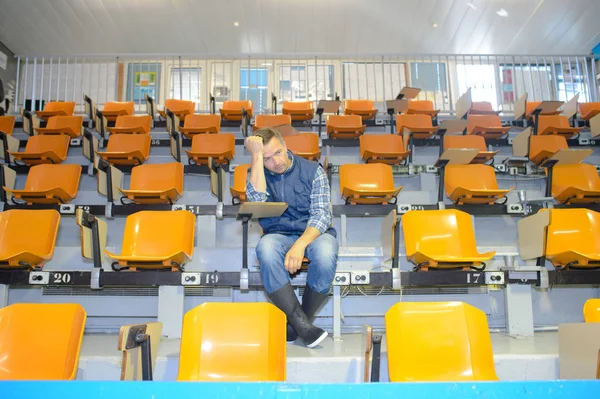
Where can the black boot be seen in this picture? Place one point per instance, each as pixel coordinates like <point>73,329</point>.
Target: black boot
<point>311,303</point>
<point>285,299</point>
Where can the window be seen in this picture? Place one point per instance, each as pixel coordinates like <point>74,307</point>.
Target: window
<point>254,86</point>
<point>298,81</point>
<point>373,81</point>
<point>292,83</point>
<point>482,81</point>
<point>185,84</point>
<point>430,77</point>
<point>221,82</point>
<point>143,78</point>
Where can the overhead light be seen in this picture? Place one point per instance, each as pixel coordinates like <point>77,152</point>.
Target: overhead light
<point>472,6</point>
<point>236,24</point>
<point>434,25</point>
<point>502,12</point>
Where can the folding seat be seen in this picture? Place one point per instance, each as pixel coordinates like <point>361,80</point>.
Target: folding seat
<point>69,125</point>
<point>220,147</point>
<point>441,239</point>
<point>7,124</point>
<point>420,126</point>
<point>44,149</point>
<point>299,110</point>
<point>575,184</point>
<point>383,148</point>
<point>238,190</point>
<point>438,341</point>
<point>132,124</point>
<point>266,120</point>
<point>181,108</point>
<point>127,149</point>
<point>57,108</point>
<point>113,109</point>
<point>488,126</point>
<point>472,184</point>
<point>200,124</point>
<point>241,342</point>
<point>27,239</point>
<point>470,141</point>
<point>155,183</point>
<point>591,310</point>
<point>40,341</point>
<point>344,126</point>
<point>541,148</point>
<point>556,125</point>
<point>422,107</point>
<point>156,240</point>
<point>573,238</point>
<point>232,110</point>
<point>367,184</point>
<point>305,145</point>
<point>364,108</point>
<point>49,184</point>
<point>482,108</point>
<point>531,105</point>
<point>588,110</point>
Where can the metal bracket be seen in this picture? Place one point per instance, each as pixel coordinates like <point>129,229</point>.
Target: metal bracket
<point>396,281</point>
<point>244,279</point>
<point>96,278</point>
<point>219,212</point>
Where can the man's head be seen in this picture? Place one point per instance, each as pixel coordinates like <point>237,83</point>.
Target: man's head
<point>275,151</point>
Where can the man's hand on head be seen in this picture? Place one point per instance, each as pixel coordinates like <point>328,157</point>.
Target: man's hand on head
<point>254,144</point>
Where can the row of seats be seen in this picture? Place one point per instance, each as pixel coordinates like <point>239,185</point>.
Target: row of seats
<point>165,239</point>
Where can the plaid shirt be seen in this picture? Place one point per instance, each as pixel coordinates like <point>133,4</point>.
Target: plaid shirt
<point>320,199</point>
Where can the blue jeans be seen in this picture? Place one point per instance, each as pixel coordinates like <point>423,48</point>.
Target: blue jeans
<point>322,254</point>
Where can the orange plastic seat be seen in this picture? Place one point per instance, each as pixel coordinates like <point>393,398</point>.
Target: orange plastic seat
<point>155,183</point>
<point>472,184</point>
<point>57,108</point>
<point>24,355</point>
<point>367,183</point>
<point>488,126</point>
<point>541,148</point>
<point>238,190</point>
<point>200,124</point>
<point>383,148</point>
<point>420,126</point>
<point>49,184</point>
<point>127,149</point>
<point>576,184</point>
<point>216,333</point>
<point>132,124</point>
<point>44,149</point>
<point>69,125</point>
<point>470,141</point>
<point>156,240</point>
<point>113,109</point>
<point>365,108</point>
<point>531,105</point>
<point>588,110</point>
<point>441,239</point>
<point>556,125</point>
<point>181,108</point>
<point>266,120</point>
<point>27,239</point>
<point>573,238</point>
<point>422,107</point>
<point>344,126</point>
<point>220,147</point>
<point>482,108</point>
<point>7,124</point>
<point>591,310</point>
<point>438,341</point>
<point>298,110</point>
<point>232,110</point>
<point>305,145</point>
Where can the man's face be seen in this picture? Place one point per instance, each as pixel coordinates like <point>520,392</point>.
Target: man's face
<point>275,156</point>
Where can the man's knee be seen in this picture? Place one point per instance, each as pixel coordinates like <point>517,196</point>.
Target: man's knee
<point>324,250</point>
<point>269,250</point>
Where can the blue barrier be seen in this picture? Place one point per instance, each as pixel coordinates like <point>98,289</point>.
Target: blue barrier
<point>185,390</point>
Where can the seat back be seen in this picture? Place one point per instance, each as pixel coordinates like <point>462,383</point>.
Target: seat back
<point>160,234</point>
<point>29,236</point>
<point>233,342</point>
<point>128,143</point>
<point>59,122</point>
<point>589,108</point>
<point>530,106</point>
<point>368,177</point>
<point>438,341</point>
<point>591,310</point>
<point>412,121</point>
<point>297,106</point>
<point>157,177</point>
<point>67,106</point>
<point>40,341</point>
<point>48,176</point>
<point>582,176</point>
<point>265,120</point>
<point>359,105</point>
<point>213,143</point>
<point>179,106</point>
<point>468,141</point>
<point>382,144</point>
<point>548,144</point>
<point>134,121</point>
<point>126,106</point>
<point>303,144</point>
<point>481,106</point>
<point>7,124</point>
<point>240,174</point>
<point>486,121</point>
<point>420,105</point>
<point>573,230</point>
<point>439,233</point>
<point>349,121</point>
<point>231,105</point>
<point>546,121</point>
<point>59,144</point>
<point>472,177</point>
<point>202,121</point>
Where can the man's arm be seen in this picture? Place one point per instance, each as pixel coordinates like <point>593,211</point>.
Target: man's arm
<point>256,185</point>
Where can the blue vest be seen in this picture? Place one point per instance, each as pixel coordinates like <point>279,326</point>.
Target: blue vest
<point>294,187</point>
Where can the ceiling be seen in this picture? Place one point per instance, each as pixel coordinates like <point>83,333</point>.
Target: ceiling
<point>348,27</point>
